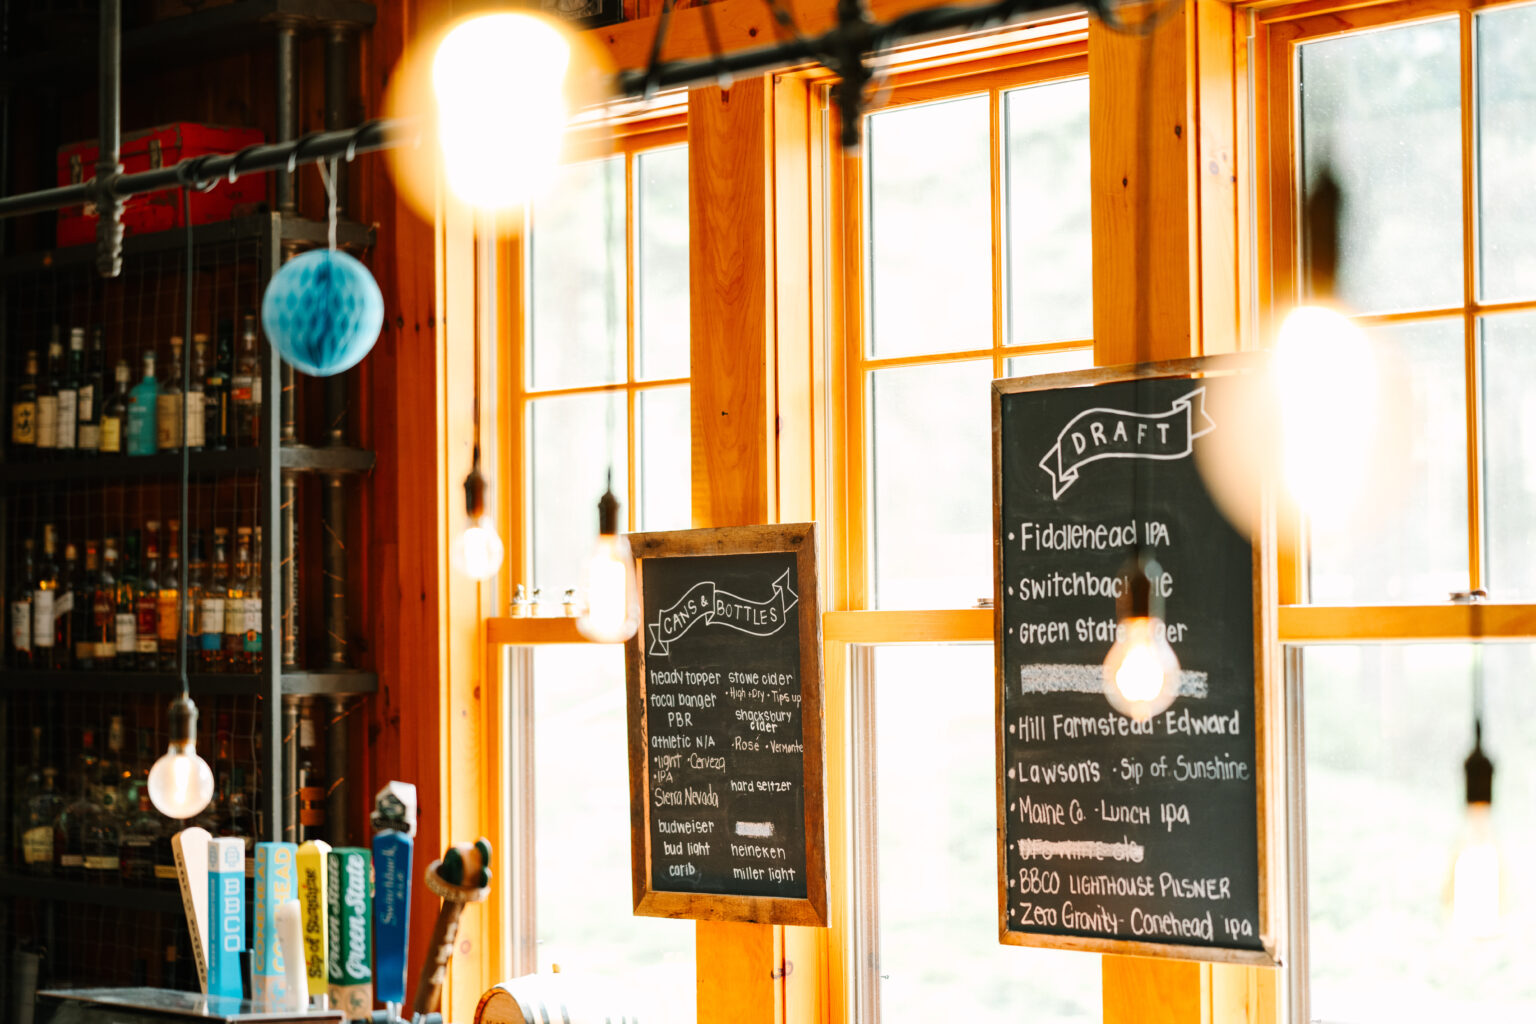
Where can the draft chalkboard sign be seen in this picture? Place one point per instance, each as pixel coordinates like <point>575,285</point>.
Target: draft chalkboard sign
<point>1117,836</point>
<point>726,756</point>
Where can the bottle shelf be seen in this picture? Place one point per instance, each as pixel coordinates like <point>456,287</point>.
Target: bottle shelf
<point>277,227</point>
<point>190,37</point>
<point>88,470</point>
<point>340,683</point>
<point>127,896</point>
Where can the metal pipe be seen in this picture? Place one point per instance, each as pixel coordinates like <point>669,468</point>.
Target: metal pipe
<point>336,54</point>
<point>109,91</point>
<point>335,570</point>
<point>290,832</point>
<point>336,773</point>
<point>202,170</point>
<point>287,108</point>
<point>289,574</point>
<point>933,21</point>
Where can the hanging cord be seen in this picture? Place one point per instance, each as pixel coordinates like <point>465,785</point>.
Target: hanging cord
<point>1146,30</point>
<point>183,606</point>
<point>328,178</point>
<point>610,309</point>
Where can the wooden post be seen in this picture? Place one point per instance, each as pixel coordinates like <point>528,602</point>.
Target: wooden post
<point>731,351</point>
<point>1188,147</point>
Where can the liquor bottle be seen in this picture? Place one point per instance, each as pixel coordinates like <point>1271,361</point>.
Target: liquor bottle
<point>37,837</point>
<point>253,627</point>
<point>103,606</point>
<point>29,782</point>
<point>113,774</point>
<point>142,831</point>
<point>143,403</point>
<point>83,626</point>
<point>235,604</point>
<point>21,609</point>
<point>223,778</point>
<point>125,606</point>
<point>168,604</point>
<point>245,386</point>
<point>216,389</point>
<point>238,820</point>
<point>70,826</point>
<point>37,810</point>
<point>195,398</point>
<point>215,593</point>
<point>197,574</point>
<point>147,604</point>
<point>169,407</point>
<point>310,781</point>
<point>114,413</point>
<point>64,609</point>
<point>45,588</point>
<point>92,394</point>
<point>48,400</point>
<point>24,411</point>
<point>100,824</point>
<point>69,395</point>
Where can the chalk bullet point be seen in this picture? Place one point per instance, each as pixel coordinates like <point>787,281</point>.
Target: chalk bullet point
<point>1012,804</point>
<point>1010,773</point>
<point>1010,729</point>
<point>1010,536</point>
<point>1010,883</point>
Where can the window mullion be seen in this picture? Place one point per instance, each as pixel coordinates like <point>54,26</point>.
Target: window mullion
<point>1000,311</point>
<point>1472,356</point>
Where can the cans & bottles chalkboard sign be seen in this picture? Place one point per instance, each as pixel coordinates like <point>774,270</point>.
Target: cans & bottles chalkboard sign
<point>1156,837</point>
<point>726,757</point>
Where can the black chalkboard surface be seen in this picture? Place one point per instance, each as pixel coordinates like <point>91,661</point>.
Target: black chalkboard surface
<point>725,714</point>
<point>1117,835</point>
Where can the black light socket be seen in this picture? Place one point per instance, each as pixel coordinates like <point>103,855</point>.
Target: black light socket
<point>474,490</point>
<point>608,514</point>
<point>1479,770</point>
<point>1139,600</point>
<point>183,720</point>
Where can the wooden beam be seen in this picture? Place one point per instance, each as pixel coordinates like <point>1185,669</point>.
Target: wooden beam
<point>1164,158</point>
<point>730,278</point>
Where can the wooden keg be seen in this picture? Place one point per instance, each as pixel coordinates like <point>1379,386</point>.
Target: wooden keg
<point>553,999</point>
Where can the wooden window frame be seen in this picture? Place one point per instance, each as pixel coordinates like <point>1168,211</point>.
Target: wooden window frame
<point>630,140</point>
<point>1279,32</point>
<point>1054,58</point>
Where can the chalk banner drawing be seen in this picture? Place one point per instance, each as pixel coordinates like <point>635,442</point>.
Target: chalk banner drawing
<point>708,604</point>
<point>1095,434</point>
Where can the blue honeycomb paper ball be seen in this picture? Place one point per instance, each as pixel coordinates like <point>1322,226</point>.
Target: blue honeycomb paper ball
<point>323,312</point>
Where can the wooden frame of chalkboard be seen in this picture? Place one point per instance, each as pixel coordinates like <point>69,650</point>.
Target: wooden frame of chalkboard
<point>795,546</point>
<point>1266,723</point>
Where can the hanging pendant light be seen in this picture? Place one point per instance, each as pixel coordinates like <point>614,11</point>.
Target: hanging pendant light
<point>180,782</point>
<point>1141,672</point>
<point>608,576</point>
<point>1476,886</point>
<point>478,551</point>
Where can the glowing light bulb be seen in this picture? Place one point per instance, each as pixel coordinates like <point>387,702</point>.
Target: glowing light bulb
<point>1326,386</point>
<point>499,82</point>
<point>478,551</point>
<point>1141,672</point>
<point>613,598</point>
<point>1477,878</point>
<point>180,782</point>
<point>1476,885</point>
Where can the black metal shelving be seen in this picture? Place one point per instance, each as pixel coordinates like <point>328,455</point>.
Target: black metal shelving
<point>190,37</point>
<point>340,683</point>
<point>14,885</point>
<point>272,467</point>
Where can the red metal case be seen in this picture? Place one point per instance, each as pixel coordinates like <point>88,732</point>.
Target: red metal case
<point>160,211</point>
